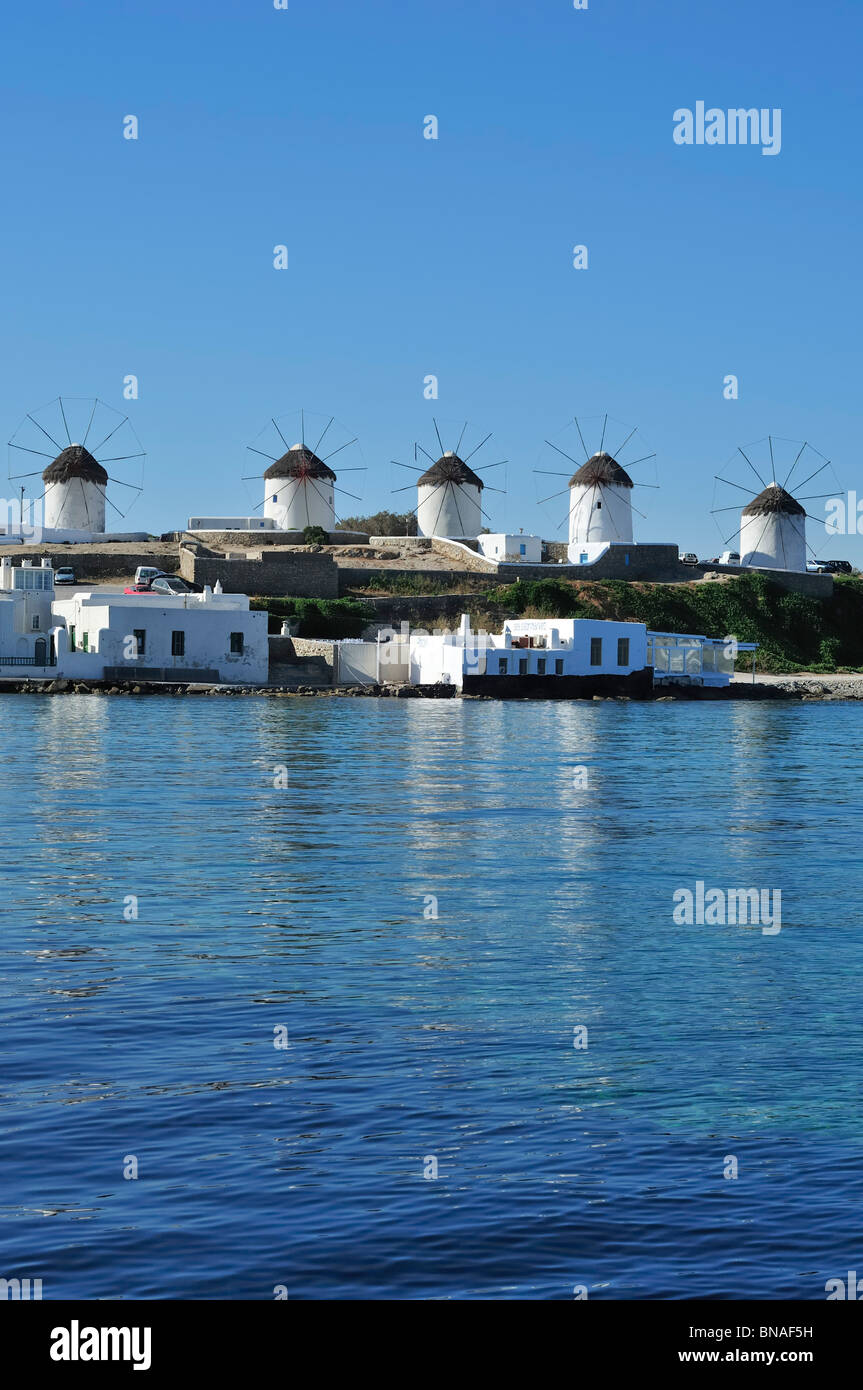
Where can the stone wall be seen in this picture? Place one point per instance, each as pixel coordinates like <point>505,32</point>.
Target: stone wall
<point>637,685</point>
<point>312,646</point>
<point>466,553</point>
<point>658,564</point>
<point>815,585</point>
<point>255,540</point>
<point>104,563</point>
<point>262,573</point>
<point>419,545</point>
<point>356,578</point>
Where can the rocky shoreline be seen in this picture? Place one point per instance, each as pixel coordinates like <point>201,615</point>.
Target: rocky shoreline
<point>801,688</point>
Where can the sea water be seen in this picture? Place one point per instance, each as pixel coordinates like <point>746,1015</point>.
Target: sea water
<point>385,998</point>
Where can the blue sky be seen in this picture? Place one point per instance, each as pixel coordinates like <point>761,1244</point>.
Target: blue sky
<point>452,257</point>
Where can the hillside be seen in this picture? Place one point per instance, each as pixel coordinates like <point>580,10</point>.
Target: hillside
<point>794,632</point>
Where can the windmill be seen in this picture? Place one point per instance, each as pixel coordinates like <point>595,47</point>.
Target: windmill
<point>772,528</point>
<point>600,490</point>
<point>299,484</point>
<point>76,478</point>
<point>449,491</point>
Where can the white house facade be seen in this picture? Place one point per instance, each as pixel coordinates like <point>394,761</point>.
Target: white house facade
<point>100,635</point>
<point>26,619</point>
<point>511,549</point>
<point>543,647</point>
<point>530,646</point>
<point>159,637</point>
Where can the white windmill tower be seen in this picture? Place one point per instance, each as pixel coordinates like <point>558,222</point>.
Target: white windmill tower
<point>75,486</point>
<point>299,484</point>
<point>298,491</point>
<point>76,479</point>
<point>772,530</point>
<point>600,495</point>
<point>449,491</point>
<point>600,502</point>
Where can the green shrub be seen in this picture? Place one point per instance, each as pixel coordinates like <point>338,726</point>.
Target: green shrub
<point>315,535</point>
<point>319,617</point>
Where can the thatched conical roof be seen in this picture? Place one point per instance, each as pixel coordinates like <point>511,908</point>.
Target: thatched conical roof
<point>774,499</point>
<point>75,462</point>
<point>450,469</point>
<point>299,462</point>
<point>601,469</point>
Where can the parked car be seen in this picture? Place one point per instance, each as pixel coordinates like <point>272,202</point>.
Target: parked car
<point>160,583</point>
<point>729,557</point>
<point>146,572</point>
<point>814,567</point>
<point>835,566</point>
<point>65,575</point>
<point>173,584</point>
<point>688,558</point>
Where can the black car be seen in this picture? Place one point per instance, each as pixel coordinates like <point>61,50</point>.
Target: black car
<point>835,566</point>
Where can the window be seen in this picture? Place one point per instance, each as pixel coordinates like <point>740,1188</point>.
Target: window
<point>35,622</point>
<point>558,666</point>
<point>85,642</point>
<point>522,666</point>
<point>236,644</point>
<point>501,666</point>
<point>540,665</point>
<point>623,651</point>
<point>72,637</point>
<point>596,651</point>
<point>140,636</point>
<point>522,550</point>
<point>599,506</point>
<point>178,644</point>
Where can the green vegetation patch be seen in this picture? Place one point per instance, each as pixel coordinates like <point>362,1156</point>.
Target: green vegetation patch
<point>319,617</point>
<point>794,631</point>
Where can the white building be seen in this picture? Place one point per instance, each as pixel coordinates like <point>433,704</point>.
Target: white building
<point>542,647</point>
<point>511,549</point>
<point>773,531</point>
<point>231,523</point>
<point>208,636</point>
<point>100,635</point>
<point>26,620</point>
<point>600,508</point>
<point>298,491</point>
<point>449,499</point>
<point>75,486</point>
<point>529,647</point>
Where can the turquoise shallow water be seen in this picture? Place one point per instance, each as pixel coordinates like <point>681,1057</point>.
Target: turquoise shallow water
<point>414,1037</point>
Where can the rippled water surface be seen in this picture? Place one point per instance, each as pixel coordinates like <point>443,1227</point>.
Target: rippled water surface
<point>414,1036</point>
